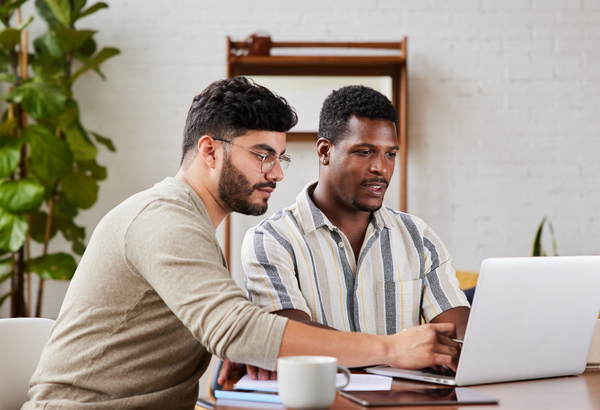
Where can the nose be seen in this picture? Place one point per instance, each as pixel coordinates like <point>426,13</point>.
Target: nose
<point>276,173</point>
<point>379,165</point>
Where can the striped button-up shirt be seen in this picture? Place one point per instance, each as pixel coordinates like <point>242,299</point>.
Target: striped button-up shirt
<point>297,259</point>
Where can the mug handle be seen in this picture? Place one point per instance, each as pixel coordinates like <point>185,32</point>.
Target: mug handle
<point>346,373</point>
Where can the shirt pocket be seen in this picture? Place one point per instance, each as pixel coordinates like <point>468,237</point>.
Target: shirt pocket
<point>398,305</point>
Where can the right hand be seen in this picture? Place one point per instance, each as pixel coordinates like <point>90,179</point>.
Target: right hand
<point>424,346</point>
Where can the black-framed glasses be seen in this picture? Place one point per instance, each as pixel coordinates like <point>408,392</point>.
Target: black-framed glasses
<point>268,160</point>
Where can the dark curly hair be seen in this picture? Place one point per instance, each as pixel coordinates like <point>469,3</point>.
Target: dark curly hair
<point>356,100</point>
<point>229,108</point>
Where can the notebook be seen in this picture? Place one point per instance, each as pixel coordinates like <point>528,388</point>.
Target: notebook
<point>531,318</point>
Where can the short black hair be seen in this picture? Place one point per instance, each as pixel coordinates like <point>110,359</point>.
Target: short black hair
<point>231,107</point>
<point>356,100</point>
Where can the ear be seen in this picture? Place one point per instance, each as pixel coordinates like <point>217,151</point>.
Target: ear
<point>323,150</point>
<point>207,151</point>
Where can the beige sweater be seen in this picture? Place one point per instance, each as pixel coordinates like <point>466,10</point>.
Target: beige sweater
<point>149,303</point>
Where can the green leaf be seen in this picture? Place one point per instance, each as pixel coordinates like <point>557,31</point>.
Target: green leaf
<point>4,277</point>
<point>98,172</point>
<point>6,296</point>
<point>77,6</point>
<point>63,208</point>
<point>7,126</point>
<point>69,229</point>
<point>37,226</point>
<point>81,190</point>
<point>51,157</point>
<point>70,39</point>
<point>78,247</point>
<point>70,115</point>
<point>95,61</point>
<point>49,68</point>
<point>24,24</point>
<point>6,266</point>
<point>10,6</point>
<point>20,196</point>
<point>10,154</point>
<point>57,266</point>
<point>92,9</point>
<point>61,9</point>
<point>4,61</point>
<point>9,38</point>
<point>49,43</point>
<point>82,147</point>
<point>40,100</point>
<point>537,242</point>
<point>87,49</point>
<point>104,141</point>
<point>8,78</point>
<point>13,229</point>
<point>45,12</point>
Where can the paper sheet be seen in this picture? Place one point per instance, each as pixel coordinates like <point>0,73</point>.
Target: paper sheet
<point>364,382</point>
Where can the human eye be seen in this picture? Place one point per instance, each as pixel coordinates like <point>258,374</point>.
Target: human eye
<point>392,154</point>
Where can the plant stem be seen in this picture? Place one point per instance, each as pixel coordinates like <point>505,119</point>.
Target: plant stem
<point>17,307</point>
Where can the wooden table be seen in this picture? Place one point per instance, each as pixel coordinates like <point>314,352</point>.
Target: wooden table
<point>576,392</point>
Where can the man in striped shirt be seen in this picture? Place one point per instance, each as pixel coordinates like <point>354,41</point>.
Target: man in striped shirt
<point>337,257</point>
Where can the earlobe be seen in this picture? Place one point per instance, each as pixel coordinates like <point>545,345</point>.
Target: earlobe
<point>323,148</point>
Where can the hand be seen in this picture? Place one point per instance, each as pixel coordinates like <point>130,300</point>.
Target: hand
<point>254,372</point>
<point>424,346</point>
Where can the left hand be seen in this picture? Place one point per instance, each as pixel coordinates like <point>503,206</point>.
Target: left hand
<point>255,373</point>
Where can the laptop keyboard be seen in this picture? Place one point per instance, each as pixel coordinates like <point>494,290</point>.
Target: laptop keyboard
<point>446,372</point>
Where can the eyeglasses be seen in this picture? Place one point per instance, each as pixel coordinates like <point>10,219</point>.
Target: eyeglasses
<point>268,160</point>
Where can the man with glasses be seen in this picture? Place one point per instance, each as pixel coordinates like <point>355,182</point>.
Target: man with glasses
<point>152,298</point>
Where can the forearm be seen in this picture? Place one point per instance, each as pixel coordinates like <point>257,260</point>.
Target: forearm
<point>414,348</point>
<point>352,349</point>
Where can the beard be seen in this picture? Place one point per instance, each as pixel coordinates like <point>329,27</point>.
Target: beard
<point>362,207</point>
<point>357,205</point>
<point>235,190</point>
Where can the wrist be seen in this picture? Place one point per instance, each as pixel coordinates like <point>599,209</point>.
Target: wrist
<point>382,349</point>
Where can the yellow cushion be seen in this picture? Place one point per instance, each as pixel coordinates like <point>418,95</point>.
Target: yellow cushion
<point>467,279</point>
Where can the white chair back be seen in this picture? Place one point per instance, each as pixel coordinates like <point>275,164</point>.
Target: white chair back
<point>21,344</point>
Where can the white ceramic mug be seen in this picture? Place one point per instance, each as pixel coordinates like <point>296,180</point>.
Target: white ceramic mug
<point>308,382</point>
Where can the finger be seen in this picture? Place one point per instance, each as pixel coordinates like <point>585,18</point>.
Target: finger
<point>252,372</point>
<point>263,374</point>
<point>445,360</point>
<point>448,341</point>
<point>226,369</point>
<point>451,349</point>
<point>447,329</point>
<point>273,375</point>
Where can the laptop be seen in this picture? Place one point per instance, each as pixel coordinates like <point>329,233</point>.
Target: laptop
<point>531,318</point>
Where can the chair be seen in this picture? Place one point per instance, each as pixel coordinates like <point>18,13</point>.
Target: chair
<point>21,344</point>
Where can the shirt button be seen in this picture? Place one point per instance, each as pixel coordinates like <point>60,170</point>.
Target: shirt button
<point>341,244</point>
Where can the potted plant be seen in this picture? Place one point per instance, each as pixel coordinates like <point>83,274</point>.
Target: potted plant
<point>48,168</point>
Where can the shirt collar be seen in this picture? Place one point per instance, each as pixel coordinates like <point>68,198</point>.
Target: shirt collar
<point>311,218</point>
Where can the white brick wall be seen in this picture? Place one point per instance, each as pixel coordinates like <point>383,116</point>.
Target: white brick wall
<point>504,107</point>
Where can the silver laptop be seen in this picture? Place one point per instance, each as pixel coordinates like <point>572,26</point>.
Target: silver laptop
<point>531,318</point>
